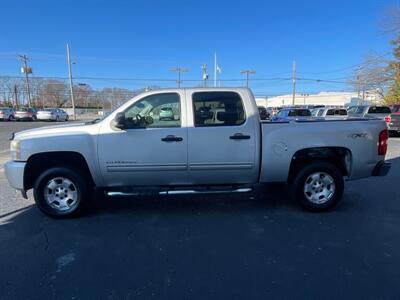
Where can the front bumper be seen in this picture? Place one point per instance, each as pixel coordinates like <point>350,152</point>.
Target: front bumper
<point>381,168</point>
<point>15,174</point>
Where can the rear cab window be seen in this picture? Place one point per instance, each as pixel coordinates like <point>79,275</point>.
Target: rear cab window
<point>218,109</point>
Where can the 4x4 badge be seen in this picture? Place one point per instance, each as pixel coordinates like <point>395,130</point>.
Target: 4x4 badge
<point>358,135</point>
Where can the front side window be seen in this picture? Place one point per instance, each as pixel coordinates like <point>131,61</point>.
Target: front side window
<point>217,109</point>
<point>154,111</point>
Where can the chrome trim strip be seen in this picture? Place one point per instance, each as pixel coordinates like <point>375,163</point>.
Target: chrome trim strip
<point>141,168</point>
<point>223,166</point>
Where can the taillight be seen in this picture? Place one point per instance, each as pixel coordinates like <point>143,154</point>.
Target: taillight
<point>388,119</point>
<point>383,142</point>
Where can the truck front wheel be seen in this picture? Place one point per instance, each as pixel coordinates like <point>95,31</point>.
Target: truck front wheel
<point>61,192</point>
<point>317,186</point>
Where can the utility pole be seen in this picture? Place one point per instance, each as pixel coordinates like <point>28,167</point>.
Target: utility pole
<point>179,70</point>
<point>204,74</point>
<point>70,81</point>
<point>27,70</point>
<point>294,82</point>
<point>16,96</point>
<point>247,72</point>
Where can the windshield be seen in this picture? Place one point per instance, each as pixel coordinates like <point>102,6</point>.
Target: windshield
<point>396,109</point>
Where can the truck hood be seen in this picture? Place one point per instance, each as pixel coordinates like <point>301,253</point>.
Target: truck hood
<point>63,129</point>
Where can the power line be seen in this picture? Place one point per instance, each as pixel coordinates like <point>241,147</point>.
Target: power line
<point>179,70</point>
<point>247,72</point>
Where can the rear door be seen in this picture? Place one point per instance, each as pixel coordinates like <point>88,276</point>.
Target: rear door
<point>222,138</point>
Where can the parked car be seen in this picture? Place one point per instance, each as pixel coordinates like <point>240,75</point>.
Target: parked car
<point>394,125</point>
<point>52,114</point>
<point>166,113</point>
<point>264,115</point>
<point>26,114</point>
<point>7,114</point>
<point>329,112</point>
<point>128,154</point>
<point>371,111</point>
<point>288,114</point>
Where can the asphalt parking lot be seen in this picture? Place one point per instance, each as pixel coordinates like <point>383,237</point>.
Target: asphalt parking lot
<point>253,246</point>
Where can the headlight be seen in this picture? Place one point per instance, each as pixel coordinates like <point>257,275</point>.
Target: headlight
<point>15,149</point>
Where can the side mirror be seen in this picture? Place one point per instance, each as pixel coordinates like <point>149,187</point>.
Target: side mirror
<point>119,120</point>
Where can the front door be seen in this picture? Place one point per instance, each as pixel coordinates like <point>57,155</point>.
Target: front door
<point>222,138</point>
<point>151,149</point>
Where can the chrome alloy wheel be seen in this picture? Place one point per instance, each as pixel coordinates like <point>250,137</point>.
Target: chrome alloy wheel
<point>319,187</point>
<point>61,194</point>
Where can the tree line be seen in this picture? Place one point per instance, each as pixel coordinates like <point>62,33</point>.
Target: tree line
<point>56,93</point>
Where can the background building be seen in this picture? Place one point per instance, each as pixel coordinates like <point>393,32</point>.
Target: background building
<point>322,98</point>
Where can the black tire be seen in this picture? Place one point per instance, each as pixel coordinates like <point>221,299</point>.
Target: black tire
<point>81,186</point>
<point>303,173</point>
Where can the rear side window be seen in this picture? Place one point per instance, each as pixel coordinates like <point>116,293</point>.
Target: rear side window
<point>303,112</point>
<point>379,110</point>
<point>330,112</point>
<point>217,109</point>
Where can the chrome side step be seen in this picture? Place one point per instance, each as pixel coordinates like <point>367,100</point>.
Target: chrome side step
<point>204,192</point>
<point>181,192</point>
<point>119,194</point>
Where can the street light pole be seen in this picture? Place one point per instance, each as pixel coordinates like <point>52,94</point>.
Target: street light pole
<point>294,82</point>
<point>247,72</point>
<point>204,74</point>
<point>70,81</point>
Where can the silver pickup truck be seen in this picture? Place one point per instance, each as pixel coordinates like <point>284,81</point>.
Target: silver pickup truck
<point>211,142</point>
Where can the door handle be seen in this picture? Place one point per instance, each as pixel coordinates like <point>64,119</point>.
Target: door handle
<point>239,136</point>
<point>172,138</point>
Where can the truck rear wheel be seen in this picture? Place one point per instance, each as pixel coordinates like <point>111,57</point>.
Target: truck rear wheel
<point>61,192</point>
<point>317,186</point>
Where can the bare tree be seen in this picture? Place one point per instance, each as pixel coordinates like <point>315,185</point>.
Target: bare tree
<point>382,72</point>
<point>54,93</point>
<point>8,87</point>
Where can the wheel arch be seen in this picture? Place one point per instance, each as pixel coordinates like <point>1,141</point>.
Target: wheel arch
<point>39,162</point>
<point>339,156</point>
